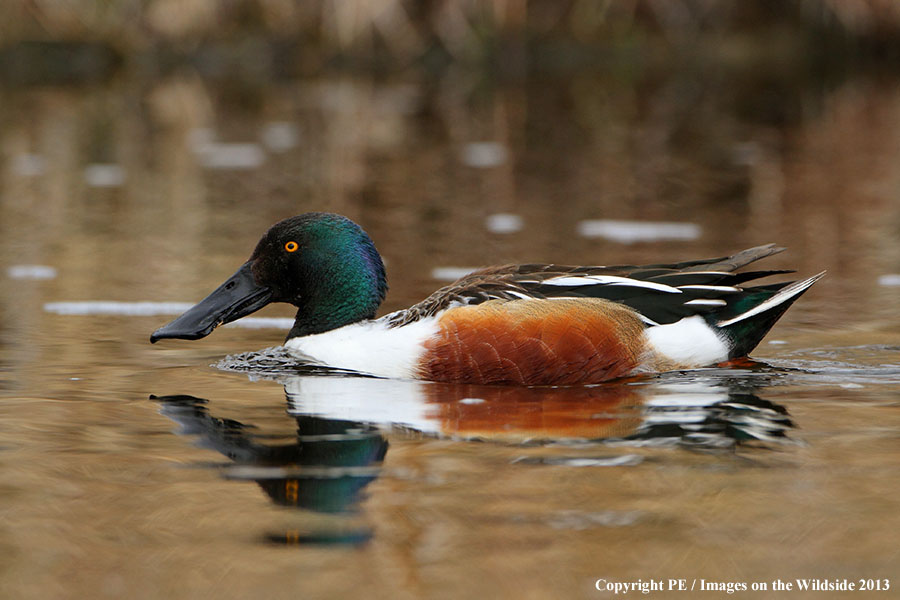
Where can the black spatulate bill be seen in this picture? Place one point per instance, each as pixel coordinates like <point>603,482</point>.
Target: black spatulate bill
<point>239,296</point>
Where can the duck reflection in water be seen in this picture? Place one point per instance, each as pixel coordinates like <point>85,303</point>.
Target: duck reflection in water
<point>675,410</point>
<point>324,469</point>
<point>340,445</point>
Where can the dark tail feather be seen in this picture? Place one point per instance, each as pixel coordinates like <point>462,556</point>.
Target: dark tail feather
<point>747,329</point>
<point>736,261</point>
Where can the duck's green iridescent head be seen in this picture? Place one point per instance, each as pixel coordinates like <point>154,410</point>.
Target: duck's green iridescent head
<point>322,263</point>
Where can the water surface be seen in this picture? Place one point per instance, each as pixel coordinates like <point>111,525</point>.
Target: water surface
<point>139,470</point>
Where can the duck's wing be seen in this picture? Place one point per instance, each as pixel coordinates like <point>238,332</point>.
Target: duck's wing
<point>660,293</point>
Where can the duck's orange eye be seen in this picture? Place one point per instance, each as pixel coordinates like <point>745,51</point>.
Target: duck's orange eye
<point>291,246</point>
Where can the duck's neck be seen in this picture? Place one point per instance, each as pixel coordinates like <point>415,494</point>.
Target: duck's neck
<point>341,293</point>
<point>311,320</point>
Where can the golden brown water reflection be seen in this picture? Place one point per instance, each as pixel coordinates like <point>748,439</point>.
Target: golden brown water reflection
<point>155,191</point>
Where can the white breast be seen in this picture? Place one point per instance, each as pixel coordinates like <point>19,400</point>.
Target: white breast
<point>368,347</point>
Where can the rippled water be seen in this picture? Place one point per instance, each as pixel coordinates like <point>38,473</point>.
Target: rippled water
<point>173,471</point>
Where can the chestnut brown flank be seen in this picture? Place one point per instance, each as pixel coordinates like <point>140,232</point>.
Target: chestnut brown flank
<point>535,342</point>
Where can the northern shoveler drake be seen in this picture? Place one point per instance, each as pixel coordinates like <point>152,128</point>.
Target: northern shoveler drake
<point>532,324</point>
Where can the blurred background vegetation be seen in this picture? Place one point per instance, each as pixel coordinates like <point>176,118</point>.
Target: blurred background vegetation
<point>74,40</point>
<point>771,120</point>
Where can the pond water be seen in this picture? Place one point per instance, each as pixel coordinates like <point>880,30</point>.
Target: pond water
<point>161,471</point>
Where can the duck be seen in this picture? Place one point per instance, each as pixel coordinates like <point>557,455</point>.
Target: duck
<point>519,324</point>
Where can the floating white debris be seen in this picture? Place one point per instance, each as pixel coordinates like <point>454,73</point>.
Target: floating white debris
<point>889,280</point>
<point>28,165</point>
<point>625,460</point>
<point>280,137</point>
<point>570,519</point>
<point>109,307</point>
<point>503,223</point>
<point>629,232</point>
<point>483,155</point>
<point>851,386</point>
<point>31,272</point>
<point>218,155</point>
<point>450,273</point>
<point>777,342</point>
<point>263,323</point>
<point>472,401</point>
<point>231,156</point>
<point>104,175</point>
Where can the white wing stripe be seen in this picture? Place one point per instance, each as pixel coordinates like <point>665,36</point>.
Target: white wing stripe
<point>518,295</point>
<point>725,289</point>
<point>706,302</point>
<point>695,273</point>
<point>648,320</point>
<point>571,280</point>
